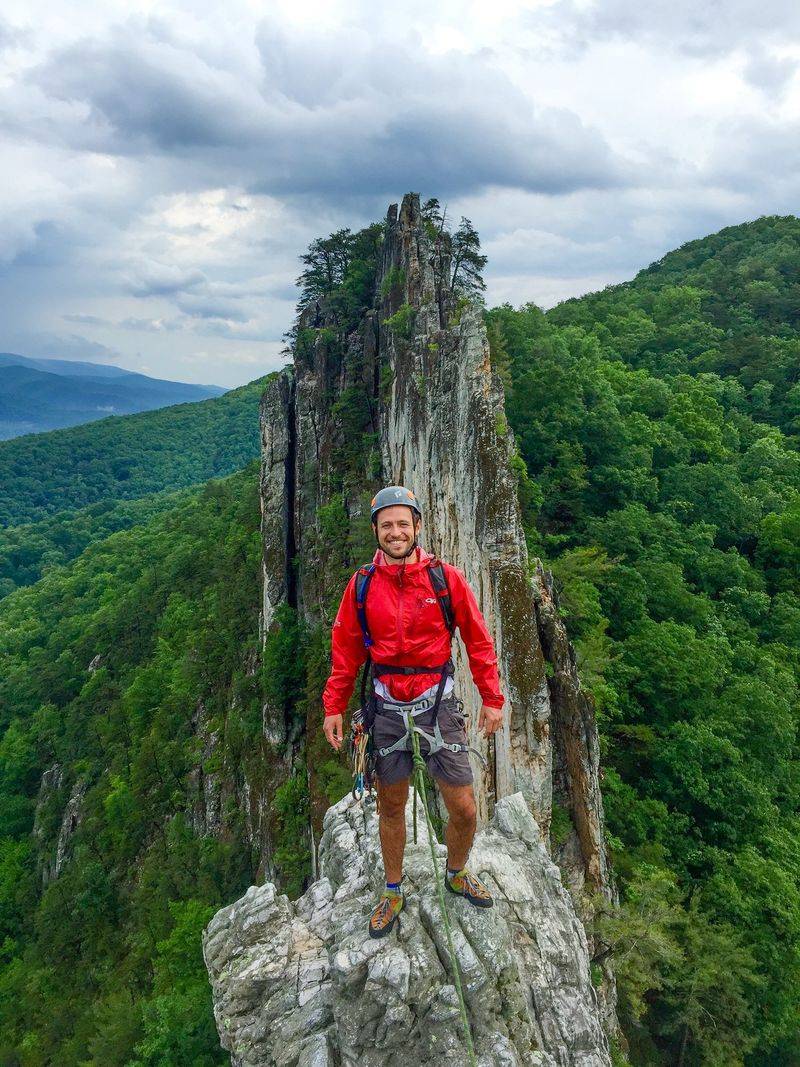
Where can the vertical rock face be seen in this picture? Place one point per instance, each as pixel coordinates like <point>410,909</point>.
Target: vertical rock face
<point>415,380</point>
<point>51,862</point>
<point>443,433</point>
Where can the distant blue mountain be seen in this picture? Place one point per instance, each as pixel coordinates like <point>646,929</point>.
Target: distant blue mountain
<point>47,394</point>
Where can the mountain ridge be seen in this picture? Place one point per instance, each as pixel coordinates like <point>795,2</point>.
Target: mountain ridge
<point>77,367</point>
<point>124,457</point>
<point>35,397</point>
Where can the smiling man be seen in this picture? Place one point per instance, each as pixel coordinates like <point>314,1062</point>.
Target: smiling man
<point>406,624</point>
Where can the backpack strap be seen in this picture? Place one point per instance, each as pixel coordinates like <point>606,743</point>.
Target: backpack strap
<point>363,578</point>
<point>440,588</point>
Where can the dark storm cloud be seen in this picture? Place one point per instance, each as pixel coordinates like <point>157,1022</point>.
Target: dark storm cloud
<point>142,93</point>
<point>308,123</point>
<point>162,279</point>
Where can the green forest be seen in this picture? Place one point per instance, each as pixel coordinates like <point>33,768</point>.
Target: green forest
<point>657,424</point>
<point>31,549</point>
<point>100,662</point>
<point>125,457</point>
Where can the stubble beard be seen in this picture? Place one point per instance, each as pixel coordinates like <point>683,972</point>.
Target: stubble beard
<point>396,551</point>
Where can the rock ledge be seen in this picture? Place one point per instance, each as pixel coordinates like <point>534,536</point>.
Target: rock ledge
<point>301,984</point>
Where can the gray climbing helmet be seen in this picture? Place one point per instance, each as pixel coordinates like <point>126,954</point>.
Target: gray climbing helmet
<point>393,494</point>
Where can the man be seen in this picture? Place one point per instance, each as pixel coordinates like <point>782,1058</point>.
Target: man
<point>407,627</point>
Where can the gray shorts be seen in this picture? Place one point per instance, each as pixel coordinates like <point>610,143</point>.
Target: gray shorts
<point>451,767</point>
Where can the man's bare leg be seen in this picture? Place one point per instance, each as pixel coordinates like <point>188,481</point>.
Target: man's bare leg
<point>392,826</point>
<point>460,803</point>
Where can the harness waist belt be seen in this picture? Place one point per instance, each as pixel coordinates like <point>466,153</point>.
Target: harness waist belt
<point>389,668</point>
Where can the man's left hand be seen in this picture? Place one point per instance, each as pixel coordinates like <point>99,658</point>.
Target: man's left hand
<point>489,720</point>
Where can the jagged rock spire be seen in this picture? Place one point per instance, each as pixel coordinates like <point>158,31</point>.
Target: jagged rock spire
<point>432,418</point>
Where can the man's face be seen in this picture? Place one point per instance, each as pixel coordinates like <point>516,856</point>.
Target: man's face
<point>396,530</point>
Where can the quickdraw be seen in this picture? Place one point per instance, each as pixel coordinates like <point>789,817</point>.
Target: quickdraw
<point>362,756</point>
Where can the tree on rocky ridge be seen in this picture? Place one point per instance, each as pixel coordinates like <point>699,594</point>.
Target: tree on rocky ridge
<point>457,260</point>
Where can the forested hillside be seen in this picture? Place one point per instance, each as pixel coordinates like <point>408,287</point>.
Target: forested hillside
<point>728,304</point>
<point>29,550</point>
<point>658,422</point>
<point>126,457</point>
<point>114,674</point>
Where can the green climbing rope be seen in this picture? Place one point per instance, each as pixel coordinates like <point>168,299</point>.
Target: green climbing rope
<point>419,787</point>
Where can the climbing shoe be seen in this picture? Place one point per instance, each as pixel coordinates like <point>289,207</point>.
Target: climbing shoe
<point>383,917</point>
<point>464,884</point>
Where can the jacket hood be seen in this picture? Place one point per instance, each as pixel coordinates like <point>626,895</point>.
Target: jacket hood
<point>419,558</point>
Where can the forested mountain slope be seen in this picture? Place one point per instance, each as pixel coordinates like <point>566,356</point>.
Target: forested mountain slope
<point>29,550</point>
<point>126,457</point>
<point>124,691</point>
<point>727,304</point>
<point>657,421</point>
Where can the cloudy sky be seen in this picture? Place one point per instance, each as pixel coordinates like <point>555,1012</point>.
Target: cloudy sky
<point>163,165</point>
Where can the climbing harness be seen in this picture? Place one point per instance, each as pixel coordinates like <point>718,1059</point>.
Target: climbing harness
<point>409,711</point>
<point>419,785</point>
<point>361,748</point>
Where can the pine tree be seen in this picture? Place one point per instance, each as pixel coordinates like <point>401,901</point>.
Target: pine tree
<point>326,263</point>
<point>467,261</point>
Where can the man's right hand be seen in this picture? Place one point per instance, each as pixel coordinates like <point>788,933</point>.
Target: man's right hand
<point>333,730</point>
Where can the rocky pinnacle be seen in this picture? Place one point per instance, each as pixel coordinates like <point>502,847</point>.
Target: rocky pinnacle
<point>419,360</point>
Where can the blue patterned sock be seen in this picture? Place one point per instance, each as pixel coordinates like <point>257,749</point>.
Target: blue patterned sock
<point>393,885</point>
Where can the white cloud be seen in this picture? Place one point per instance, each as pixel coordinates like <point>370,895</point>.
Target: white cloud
<point>165,167</point>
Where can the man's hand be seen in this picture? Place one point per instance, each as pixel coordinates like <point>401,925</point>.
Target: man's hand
<point>333,730</point>
<point>489,720</point>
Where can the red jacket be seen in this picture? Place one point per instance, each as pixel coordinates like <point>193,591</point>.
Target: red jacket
<point>407,628</point>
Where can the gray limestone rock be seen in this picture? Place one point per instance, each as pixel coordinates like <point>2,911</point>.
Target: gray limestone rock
<point>419,362</point>
<point>301,983</point>
<point>51,860</point>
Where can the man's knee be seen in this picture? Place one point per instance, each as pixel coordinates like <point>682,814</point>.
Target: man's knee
<point>460,803</point>
<point>393,798</point>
